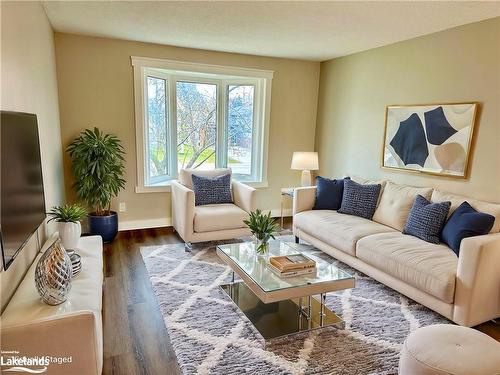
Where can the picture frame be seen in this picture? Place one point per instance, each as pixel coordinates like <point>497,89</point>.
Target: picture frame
<point>434,139</point>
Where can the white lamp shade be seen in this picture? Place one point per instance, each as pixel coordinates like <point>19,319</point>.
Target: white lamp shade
<point>305,161</point>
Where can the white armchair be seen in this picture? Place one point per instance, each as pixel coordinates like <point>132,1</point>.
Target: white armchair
<point>214,221</point>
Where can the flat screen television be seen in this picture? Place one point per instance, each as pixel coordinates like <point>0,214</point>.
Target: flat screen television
<point>22,201</point>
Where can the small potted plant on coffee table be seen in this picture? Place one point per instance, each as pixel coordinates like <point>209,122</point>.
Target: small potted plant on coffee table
<point>97,161</point>
<point>264,228</point>
<point>68,219</point>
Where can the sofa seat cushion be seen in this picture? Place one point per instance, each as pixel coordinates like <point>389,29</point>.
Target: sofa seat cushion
<point>337,230</point>
<point>213,217</point>
<point>428,267</point>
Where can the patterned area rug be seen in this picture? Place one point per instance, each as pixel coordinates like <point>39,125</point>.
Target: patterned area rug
<point>211,336</point>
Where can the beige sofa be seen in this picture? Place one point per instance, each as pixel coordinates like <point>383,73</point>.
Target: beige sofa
<point>464,289</point>
<point>213,221</point>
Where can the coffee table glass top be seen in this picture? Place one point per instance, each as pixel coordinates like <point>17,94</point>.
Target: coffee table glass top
<point>244,256</point>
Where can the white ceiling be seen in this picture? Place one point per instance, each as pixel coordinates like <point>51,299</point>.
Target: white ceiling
<point>303,30</point>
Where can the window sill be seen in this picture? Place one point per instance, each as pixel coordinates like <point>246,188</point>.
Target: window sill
<point>166,188</point>
<point>153,189</point>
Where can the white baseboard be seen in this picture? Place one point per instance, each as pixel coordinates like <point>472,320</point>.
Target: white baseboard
<point>145,224</point>
<point>167,221</point>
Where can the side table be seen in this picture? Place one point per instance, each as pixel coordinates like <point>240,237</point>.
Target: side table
<point>285,192</point>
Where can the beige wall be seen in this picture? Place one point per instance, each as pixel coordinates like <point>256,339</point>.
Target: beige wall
<point>96,89</point>
<point>460,64</point>
<point>28,84</point>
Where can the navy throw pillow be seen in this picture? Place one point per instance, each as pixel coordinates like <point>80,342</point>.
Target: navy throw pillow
<point>359,200</point>
<point>426,219</point>
<point>328,193</point>
<point>212,190</point>
<point>465,222</point>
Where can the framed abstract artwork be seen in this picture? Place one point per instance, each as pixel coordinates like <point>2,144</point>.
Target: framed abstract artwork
<point>429,138</point>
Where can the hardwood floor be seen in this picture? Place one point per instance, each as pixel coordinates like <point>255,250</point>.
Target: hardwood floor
<point>135,337</point>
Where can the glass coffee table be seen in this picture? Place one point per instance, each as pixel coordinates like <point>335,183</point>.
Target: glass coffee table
<point>282,306</point>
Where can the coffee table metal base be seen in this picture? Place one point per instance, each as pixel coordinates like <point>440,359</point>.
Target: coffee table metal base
<point>282,318</point>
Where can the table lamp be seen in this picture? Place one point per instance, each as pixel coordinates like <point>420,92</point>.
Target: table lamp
<point>305,162</point>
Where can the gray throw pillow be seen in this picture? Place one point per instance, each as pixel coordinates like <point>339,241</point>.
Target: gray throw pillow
<point>359,200</point>
<point>212,190</point>
<point>426,219</point>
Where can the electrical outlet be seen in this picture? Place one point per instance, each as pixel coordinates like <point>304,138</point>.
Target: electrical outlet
<point>122,207</point>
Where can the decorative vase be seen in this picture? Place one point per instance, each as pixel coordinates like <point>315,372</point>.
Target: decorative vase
<point>69,233</point>
<point>104,226</point>
<point>53,274</point>
<point>261,247</point>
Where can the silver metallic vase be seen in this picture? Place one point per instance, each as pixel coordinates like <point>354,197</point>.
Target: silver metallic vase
<point>53,274</point>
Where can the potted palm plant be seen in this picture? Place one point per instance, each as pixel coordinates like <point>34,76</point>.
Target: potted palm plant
<point>97,162</point>
<point>263,227</point>
<point>68,219</point>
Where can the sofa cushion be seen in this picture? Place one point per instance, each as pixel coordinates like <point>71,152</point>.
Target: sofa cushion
<point>366,181</point>
<point>359,200</point>
<point>426,219</point>
<point>212,190</point>
<point>186,179</point>
<point>465,222</point>
<point>396,202</point>
<point>337,230</point>
<point>481,206</point>
<point>429,267</point>
<point>212,217</point>
<point>328,193</point>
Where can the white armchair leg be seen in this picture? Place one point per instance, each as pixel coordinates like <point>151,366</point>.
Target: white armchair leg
<point>188,246</point>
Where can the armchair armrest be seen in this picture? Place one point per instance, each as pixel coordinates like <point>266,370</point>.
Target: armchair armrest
<point>244,196</point>
<point>303,199</point>
<point>477,289</point>
<point>182,210</point>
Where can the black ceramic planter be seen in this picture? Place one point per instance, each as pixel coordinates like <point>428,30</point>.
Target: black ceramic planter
<point>104,226</point>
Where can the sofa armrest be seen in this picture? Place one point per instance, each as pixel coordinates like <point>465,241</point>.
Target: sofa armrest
<point>303,199</point>
<point>477,290</point>
<point>244,196</point>
<point>77,336</point>
<point>182,210</point>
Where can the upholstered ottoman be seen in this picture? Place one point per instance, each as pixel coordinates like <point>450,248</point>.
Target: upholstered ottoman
<point>449,349</point>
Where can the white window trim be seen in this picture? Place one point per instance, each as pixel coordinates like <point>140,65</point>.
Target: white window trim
<point>180,68</point>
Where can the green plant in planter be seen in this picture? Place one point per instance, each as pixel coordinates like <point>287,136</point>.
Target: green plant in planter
<point>68,213</point>
<point>263,227</point>
<point>97,162</point>
<point>68,219</point>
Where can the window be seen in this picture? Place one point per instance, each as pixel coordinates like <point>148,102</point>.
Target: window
<point>240,107</point>
<point>201,117</point>
<point>157,161</point>
<point>196,125</point>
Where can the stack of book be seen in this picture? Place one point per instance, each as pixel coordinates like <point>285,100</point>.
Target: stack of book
<point>291,265</point>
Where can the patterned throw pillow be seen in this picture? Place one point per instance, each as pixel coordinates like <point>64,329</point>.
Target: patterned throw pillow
<point>426,219</point>
<point>359,200</point>
<point>212,190</point>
